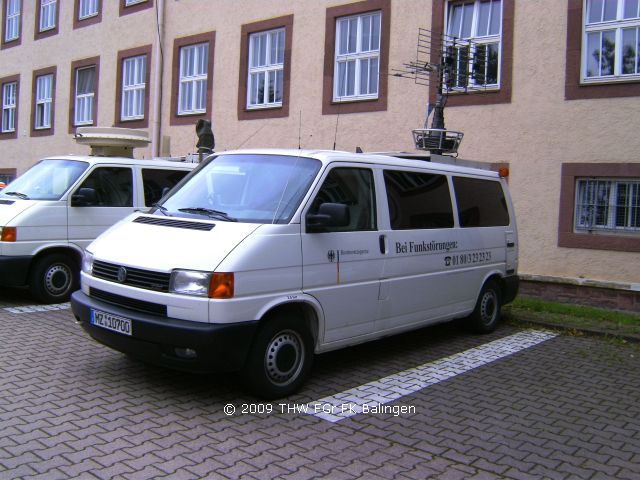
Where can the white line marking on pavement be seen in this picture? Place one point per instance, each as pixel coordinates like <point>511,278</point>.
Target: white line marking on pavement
<point>38,308</point>
<point>370,397</point>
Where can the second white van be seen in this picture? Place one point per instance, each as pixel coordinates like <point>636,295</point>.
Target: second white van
<point>50,213</point>
<point>264,258</point>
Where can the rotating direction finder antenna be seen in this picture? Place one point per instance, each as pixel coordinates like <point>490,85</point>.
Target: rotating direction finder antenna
<point>452,65</point>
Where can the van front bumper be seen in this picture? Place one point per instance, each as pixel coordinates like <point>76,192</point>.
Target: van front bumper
<point>14,270</point>
<point>154,339</point>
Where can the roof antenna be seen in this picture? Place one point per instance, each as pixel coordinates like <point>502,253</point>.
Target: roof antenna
<point>300,131</point>
<point>335,135</point>
<point>442,63</point>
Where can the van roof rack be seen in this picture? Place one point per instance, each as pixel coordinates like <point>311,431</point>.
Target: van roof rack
<point>111,141</point>
<point>435,158</point>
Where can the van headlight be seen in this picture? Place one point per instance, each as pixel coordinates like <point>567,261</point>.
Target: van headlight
<point>87,262</point>
<point>190,282</point>
<point>202,284</point>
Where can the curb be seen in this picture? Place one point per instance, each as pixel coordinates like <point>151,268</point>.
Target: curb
<point>587,331</point>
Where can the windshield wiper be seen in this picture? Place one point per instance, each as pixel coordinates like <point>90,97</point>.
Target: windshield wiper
<point>209,213</point>
<point>18,194</point>
<point>164,210</point>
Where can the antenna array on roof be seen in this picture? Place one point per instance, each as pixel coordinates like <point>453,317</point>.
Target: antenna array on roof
<point>447,65</point>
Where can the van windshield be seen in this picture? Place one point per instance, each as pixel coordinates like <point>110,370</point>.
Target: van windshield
<point>46,180</point>
<point>250,188</point>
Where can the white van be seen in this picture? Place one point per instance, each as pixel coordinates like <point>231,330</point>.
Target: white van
<point>54,210</point>
<point>265,257</point>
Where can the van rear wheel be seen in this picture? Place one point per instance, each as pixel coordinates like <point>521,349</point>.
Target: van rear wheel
<point>280,358</point>
<point>53,278</point>
<point>486,315</point>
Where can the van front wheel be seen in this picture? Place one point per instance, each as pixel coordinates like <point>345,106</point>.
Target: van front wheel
<point>280,358</point>
<point>53,278</point>
<point>486,315</point>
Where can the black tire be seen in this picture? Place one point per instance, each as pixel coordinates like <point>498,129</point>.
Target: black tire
<point>486,315</point>
<point>280,358</point>
<point>53,278</point>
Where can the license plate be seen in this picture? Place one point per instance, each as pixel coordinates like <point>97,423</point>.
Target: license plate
<point>111,322</point>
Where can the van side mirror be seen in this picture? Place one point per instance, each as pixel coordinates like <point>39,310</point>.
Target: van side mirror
<point>329,215</point>
<point>84,197</point>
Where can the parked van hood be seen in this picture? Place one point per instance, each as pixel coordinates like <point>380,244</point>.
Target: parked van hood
<point>10,209</point>
<point>165,243</point>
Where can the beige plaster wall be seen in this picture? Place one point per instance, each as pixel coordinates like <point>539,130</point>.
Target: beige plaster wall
<point>535,133</point>
<point>538,131</point>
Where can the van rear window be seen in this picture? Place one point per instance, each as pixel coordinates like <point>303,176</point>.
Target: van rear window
<point>481,203</point>
<point>418,200</point>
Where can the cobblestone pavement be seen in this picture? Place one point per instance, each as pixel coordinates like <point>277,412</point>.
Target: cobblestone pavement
<point>70,408</point>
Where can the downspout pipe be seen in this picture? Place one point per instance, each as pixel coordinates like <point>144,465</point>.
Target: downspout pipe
<point>158,67</point>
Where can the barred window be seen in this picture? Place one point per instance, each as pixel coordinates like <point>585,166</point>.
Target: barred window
<point>608,205</point>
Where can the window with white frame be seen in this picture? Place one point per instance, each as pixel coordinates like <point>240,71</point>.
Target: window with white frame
<point>44,101</point>
<point>47,14</point>
<point>87,8</point>
<point>134,75</point>
<point>357,57</point>
<point>474,39</point>
<point>266,69</point>
<point>9,97</point>
<point>608,205</point>
<point>611,43</point>
<point>85,93</point>
<point>12,21</point>
<point>192,91</point>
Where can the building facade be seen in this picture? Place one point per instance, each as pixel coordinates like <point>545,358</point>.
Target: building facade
<point>550,87</point>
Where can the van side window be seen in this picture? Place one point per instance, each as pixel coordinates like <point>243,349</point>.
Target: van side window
<point>157,181</point>
<point>113,186</point>
<point>352,187</point>
<point>418,200</point>
<point>481,203</point>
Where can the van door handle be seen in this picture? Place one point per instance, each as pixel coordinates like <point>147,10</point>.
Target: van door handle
<point>383,244</point>
<point>511,244</point>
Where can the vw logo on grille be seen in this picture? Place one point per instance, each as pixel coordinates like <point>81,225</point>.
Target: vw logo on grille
<point>122,274</point>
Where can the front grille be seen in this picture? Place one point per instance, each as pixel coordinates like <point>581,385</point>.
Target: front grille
<point>165,222</point>
<point>127,302</point>
<point>134,277</point>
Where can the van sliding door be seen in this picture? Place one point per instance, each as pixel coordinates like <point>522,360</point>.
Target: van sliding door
<point>417,285</point>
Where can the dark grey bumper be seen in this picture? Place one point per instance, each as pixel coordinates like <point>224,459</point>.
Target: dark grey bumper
<point>219,347</point>
<point>14,270</point>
